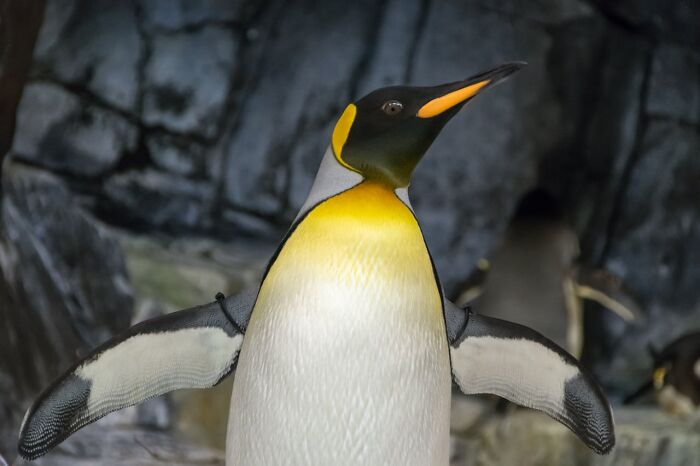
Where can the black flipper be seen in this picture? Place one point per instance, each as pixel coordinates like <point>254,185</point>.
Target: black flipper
<point>517,363</point>
<point>193,348</point>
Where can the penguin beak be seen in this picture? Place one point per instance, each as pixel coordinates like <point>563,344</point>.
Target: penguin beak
<point>453,95</point>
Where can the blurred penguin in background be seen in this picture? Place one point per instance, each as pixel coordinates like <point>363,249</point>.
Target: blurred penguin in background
<point>533,278</point>
<point>675,379</point>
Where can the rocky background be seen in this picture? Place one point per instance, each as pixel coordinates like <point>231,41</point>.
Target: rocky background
<point>155,151</point>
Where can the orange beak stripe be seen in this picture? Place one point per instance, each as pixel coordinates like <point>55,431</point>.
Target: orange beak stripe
<point>447,101</point>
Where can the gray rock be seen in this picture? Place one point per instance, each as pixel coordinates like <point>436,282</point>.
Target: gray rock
<point>58,130</point>
<point>298,90</point>
<point>97,47</point>
<point>56,18</point>
<point>159,200</point>
<point>176,154</point>
<point>652,248</point>
<point>398,35</point>
<point>675,84</point>
<point>526,438</point>
<point>67,272</point>
<point>63,289</point>
<point>596,167</point>
<point>187,80</point>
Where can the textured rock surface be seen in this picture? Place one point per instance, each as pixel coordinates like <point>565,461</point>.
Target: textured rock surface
<point>60,131</point>
<point>187,80</point>
<point>63,288</point>
<point>526,438</point>
<point>95,45</point>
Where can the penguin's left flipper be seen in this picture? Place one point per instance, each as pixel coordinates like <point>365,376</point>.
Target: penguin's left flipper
<point>492,356</point>
<point>193,348</point>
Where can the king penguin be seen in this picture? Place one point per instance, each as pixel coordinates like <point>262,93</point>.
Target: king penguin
<point>346,351</point>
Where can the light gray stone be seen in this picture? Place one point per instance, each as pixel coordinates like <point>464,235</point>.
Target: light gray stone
<point>58,130</point>
<point>187,80</point>
<point>97,48</point>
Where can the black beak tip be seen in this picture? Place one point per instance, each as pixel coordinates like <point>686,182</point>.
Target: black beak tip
<point>505,70</point>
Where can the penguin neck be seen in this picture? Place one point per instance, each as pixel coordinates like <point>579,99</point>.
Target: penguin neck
<point>332,178</point>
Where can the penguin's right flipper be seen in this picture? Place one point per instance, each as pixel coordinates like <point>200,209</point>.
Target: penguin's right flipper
<point>193,348</point>
<point>493,356</point>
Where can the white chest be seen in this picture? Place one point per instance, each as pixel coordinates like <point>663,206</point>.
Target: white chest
<point>345,359</point>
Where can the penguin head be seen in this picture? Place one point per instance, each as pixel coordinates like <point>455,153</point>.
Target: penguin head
<point>383,135</point>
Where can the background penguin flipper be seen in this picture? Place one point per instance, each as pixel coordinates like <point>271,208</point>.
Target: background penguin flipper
<point>193,348</point>
<point>493,356</point>
<point>606,289</point>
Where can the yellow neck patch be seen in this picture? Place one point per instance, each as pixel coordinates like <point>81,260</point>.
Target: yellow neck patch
<point>341,132</point>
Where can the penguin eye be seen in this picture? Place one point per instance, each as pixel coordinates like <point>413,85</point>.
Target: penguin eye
<point>392,107</point>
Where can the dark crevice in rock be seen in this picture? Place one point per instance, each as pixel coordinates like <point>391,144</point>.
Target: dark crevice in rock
<point>197,27</point>
<point>271,218</point>
<point>621,190</point>
<point>585,102</point>
<point>144,57</point>
<point>68,176</point>
<point>616,19</point>
<point>287,147</point>
<point>416,40</point>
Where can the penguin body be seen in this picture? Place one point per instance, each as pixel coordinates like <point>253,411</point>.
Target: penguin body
<point>675,380</point>
<point>346,351</point>
<point>530,267</point>
<point>348,311</point>
<point>532,277</point>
